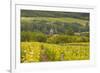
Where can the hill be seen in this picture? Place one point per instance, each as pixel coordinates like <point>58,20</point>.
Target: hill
<point>55,14</point>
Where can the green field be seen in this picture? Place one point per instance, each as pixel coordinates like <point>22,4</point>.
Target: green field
<point>38,52</point>
<point>29,20</point>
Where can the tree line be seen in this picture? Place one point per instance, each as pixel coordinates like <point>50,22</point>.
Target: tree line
<point>54,27</point>
<point>56,14</point>
<point>56,38</point>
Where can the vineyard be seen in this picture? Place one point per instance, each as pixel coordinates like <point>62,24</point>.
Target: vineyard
<point>41,52</point>
<point>49,36</point>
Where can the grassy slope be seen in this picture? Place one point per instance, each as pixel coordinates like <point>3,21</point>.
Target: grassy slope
<point>50,19</point>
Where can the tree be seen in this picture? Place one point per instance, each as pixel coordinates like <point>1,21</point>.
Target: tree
<point>40,37</point>
<point>26,36</point>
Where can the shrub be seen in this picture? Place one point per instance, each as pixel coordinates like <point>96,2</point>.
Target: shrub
<point>33,36</point>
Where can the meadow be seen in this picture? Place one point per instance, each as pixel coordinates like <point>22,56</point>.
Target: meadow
<point>28,20</point>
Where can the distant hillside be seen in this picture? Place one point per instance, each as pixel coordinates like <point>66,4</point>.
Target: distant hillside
<point>55,14</point>
<point>54,22</point>
<point>69,20</point>
<point>56,25</point>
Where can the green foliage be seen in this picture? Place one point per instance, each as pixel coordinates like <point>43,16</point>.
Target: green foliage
<point>40,37</point>
<point>66,39</point>
<point>59,25</point>
<point>26,36</point>
<point>33,36</point>
<point>55,14</point>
